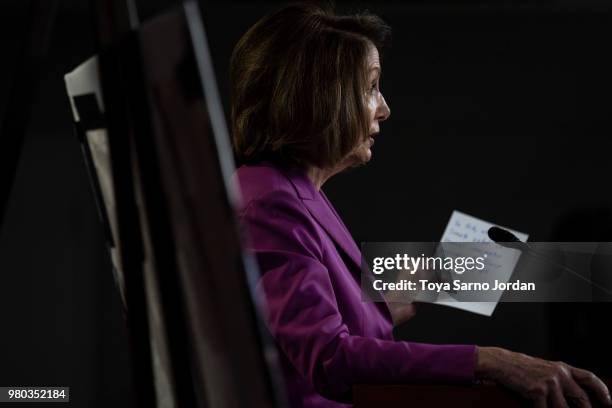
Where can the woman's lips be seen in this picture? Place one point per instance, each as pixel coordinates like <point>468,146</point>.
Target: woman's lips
<point>371,141</point>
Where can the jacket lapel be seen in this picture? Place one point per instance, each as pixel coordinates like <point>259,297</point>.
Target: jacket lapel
<point>321,209</point>
<point>322,212</point>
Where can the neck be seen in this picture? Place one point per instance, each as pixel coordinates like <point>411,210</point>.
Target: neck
<point>318,176</point>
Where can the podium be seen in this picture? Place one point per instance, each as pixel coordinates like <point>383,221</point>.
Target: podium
<point>430,395</point>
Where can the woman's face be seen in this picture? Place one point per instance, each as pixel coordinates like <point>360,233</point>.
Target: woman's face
<point>377,109</point>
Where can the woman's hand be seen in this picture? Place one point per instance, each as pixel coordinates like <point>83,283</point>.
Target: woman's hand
<point>401,312</point>
<point>546,383</point>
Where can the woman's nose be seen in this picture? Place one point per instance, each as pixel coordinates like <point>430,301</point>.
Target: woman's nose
<point>383,111</point>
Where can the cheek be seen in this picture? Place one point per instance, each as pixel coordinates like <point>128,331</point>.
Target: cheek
<point>372,105</point>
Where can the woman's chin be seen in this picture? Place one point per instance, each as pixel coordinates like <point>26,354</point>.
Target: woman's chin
<point>366,155</point>
<point>359,158</point>
<point>363,156</point>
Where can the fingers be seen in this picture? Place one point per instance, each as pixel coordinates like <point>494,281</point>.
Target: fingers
<point>572,392</point>
<point>576,395</point>
<point>539,402</point>
<point>553,384</point>
<point>590,380</point>
<point>556,397</point>
<point>560,389</point>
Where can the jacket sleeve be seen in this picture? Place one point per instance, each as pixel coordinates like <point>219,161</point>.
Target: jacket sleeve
<point>303,316</point>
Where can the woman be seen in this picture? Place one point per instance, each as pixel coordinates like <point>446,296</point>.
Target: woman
<point>306,105</point>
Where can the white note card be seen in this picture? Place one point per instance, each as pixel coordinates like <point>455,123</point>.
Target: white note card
<point>465,228</point>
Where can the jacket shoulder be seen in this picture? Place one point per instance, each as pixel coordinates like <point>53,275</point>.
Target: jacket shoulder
<point>273,214</point>
<point>259,180</point>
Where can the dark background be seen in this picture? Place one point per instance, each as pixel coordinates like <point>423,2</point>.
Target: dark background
<point>499,109</point>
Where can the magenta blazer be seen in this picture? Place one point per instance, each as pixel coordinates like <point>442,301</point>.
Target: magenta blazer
<point>327,336</point>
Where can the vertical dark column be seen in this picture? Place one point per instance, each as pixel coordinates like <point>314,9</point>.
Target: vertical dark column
<point>115,22</point>
<point>158,224</point>
<point>36,36</point>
